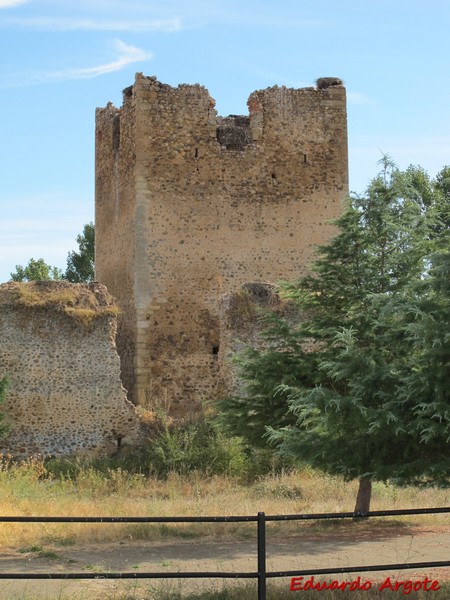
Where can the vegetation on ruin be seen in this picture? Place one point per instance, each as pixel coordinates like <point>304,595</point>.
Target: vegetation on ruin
<point>76,301</point>
<point>358,386</point>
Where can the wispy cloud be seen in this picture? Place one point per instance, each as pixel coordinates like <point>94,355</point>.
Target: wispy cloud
<point>69,24</point>
<point>11,3</point>
<point>126,56</point>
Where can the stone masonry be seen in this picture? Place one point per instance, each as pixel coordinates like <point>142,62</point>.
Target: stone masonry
<point>191,206</point>
<point>58,352</point>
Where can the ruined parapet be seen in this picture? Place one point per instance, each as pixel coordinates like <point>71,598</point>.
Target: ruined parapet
<point>190,206</point>
<point>57,349</point>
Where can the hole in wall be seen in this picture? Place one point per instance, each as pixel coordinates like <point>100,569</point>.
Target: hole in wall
<point>215,350</point>
<point>233,132</point>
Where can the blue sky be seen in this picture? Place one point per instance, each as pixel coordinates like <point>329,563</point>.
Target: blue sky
<point>60,59</point>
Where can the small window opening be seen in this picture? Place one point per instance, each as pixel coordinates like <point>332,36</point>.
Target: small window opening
<point>305,159</point>
<point>215,349</point>
<point>196,153</point>
<point>274,176</point>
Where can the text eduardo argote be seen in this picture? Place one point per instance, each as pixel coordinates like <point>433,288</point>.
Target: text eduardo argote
<point>300,584</point>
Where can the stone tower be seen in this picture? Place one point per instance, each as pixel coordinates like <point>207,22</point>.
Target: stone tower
<point>190,206</point>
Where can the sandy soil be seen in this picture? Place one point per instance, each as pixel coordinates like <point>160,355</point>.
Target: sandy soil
<point>341,549</point>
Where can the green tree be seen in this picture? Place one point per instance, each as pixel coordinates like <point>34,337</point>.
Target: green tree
<point>326,390</point>
<point>36,270</point>
<point>81,265</point>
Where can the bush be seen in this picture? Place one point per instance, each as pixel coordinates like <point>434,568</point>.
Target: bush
<point>180,448</point>
<point>200,446</point>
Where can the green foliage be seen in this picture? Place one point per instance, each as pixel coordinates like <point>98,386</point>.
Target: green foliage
<point>180,448</point>
<point>420,319</point>
<point>357,386</point>
<point>36,270</point>
<point>264,401</point>
<point>197,446</point>
<point>81,265</point>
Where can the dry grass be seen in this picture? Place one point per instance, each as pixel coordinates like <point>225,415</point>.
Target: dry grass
<point>83,302</point>
<point>25,490</point>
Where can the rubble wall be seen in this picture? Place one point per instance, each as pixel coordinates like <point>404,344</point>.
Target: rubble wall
<point>57,349</point>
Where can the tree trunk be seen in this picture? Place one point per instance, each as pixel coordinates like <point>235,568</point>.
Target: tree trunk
<point>363,498</point>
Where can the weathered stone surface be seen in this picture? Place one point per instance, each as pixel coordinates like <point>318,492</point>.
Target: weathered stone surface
<point>57,348</point>
<point>190,206</point>
<point>242,325</point>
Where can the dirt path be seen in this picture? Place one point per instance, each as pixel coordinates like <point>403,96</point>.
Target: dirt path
<point>305,552</point>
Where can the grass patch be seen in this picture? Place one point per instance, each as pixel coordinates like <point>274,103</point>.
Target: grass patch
<point>278,592</point>
<point>170,590</point>
<point>30,488</point>
<point>83,302</point>
<point>30,549</point>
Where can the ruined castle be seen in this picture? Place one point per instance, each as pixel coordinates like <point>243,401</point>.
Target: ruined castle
<point>197,216</point>
<point>191,206</point>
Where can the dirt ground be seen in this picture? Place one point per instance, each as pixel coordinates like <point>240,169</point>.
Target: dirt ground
<point>323,550</point>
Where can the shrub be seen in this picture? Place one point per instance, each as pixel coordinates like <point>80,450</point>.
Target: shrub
<point>200,446</point>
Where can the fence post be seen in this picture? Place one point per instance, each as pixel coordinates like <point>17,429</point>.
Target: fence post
<point>261,556</point>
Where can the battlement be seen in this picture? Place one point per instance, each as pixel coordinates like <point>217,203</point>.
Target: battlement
<point>191,205</point>
<point>188,111</point>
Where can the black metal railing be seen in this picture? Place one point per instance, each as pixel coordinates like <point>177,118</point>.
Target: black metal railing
<point>261,574</point>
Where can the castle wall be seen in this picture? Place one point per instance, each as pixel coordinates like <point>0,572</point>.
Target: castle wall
<point>58,352</point>
<point>218,202</point>
<point>115,221</point>
<point>241,326</point>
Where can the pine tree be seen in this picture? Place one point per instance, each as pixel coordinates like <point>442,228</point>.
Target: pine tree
<point>334,377</point>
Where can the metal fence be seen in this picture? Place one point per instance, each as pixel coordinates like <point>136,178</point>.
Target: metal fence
<point>261,573</point>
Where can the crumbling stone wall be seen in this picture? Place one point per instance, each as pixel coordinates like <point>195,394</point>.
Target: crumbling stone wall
<point>242,325</point>
<point>190,206</point>
<point>57,348</point>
